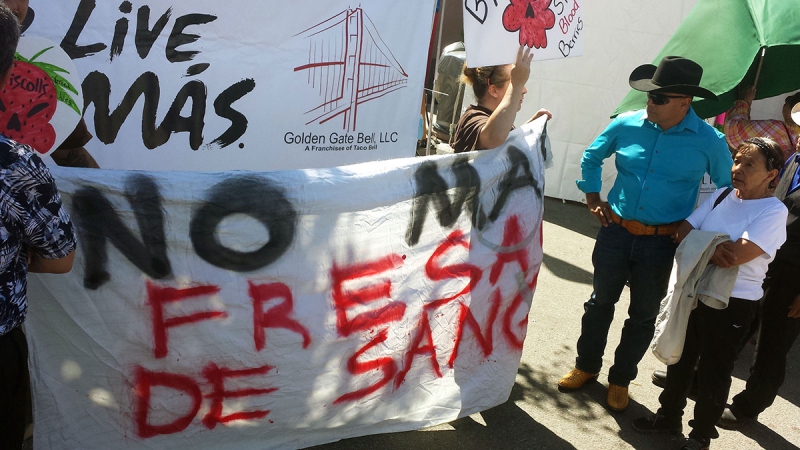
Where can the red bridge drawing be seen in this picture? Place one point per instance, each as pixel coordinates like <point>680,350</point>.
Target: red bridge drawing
<point>349,64</point>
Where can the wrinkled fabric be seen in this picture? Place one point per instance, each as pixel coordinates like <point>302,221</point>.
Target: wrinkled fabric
<point>691,272</point>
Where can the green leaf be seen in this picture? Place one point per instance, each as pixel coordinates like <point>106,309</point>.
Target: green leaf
<point>19,57</point>
<point>65,98</point>
<point>49,68</point>
<point>63,83</point>
<point>40,53</point>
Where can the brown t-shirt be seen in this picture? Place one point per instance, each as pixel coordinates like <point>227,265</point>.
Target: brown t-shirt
<point>469,128</point>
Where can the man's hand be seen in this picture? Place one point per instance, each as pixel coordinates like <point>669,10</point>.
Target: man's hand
<point>724,256</point>
<point>794,309</point>
<point>599,208</point>
<point>544,112</point>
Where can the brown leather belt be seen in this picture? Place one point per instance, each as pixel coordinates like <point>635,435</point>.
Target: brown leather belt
<point>640,229</point>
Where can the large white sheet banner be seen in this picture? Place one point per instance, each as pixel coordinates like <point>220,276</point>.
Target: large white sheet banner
<point>494,30</point>
<point>204,85</point>
<point>286,309</point>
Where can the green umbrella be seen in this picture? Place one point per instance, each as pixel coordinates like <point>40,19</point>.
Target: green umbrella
<point>726,37</point>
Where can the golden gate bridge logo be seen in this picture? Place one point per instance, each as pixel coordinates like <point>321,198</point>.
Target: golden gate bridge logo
<point>348,64</point>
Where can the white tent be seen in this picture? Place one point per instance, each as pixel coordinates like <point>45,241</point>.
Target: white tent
<point>582,92</point>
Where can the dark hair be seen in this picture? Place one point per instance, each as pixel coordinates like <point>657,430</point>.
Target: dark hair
<point>768,148</point>
<point>481,77</point>
<point>792,99</point>
<point>9,37</point>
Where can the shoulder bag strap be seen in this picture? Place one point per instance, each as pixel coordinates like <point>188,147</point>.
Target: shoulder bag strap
<point>722,197</point>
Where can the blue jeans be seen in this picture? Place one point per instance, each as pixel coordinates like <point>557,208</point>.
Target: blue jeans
<point>619,256</point>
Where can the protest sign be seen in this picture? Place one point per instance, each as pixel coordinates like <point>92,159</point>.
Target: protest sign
<point>494,30</point>
<point>42,100</point>
<point>203,85</point>
<point>290,308</point>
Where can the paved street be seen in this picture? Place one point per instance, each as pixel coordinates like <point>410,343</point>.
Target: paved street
<point>538,416</point>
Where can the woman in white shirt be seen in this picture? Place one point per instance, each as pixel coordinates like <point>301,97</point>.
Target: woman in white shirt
<point>756,223</point>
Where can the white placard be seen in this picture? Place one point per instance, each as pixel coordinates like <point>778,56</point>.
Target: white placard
<point>42,100</point>
<point>494,30</point>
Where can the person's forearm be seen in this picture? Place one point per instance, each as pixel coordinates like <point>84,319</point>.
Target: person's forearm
<point>683,230</point>
<point>501,121</point>
<point>41,265</point>
<point>740,111</point>
<point>745,251</point>
<point>593,199</point>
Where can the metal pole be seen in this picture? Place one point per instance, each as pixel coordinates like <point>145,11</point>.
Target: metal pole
<point>760,62</point>
<point>435,75</point>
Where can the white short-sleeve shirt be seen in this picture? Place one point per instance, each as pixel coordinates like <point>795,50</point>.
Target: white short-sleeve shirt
<point>761,221</point>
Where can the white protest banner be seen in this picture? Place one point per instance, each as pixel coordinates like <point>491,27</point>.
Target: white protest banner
<point>204,85</point>
<point>494,30</point>
<point>290,308</point>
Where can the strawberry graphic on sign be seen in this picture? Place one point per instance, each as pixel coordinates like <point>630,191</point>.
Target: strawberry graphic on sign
<point>30,99</point>
<point>532,18</point>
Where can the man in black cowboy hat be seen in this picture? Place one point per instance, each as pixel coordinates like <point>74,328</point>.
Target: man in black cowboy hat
<point>661,153</point>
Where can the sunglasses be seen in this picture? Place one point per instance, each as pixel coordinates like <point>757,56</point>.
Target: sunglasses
<point>662,99</point>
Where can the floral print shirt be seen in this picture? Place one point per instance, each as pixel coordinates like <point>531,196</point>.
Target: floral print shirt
<point>32,218</point>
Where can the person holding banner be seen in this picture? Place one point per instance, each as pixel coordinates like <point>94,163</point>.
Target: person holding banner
<point>37,236</point>
<point>662,153</point>
<point>500,91</point>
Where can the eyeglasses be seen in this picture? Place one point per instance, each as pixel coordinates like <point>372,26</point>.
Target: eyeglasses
<point>662,99</point>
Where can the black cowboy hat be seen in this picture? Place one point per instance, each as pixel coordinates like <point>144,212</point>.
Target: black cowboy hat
<point>674,75</point>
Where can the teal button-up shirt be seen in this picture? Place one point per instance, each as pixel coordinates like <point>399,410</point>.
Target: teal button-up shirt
<point>658,172</point>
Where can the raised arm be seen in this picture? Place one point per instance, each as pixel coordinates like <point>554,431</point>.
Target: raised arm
<point>496,130</point>
<point>738,126</point>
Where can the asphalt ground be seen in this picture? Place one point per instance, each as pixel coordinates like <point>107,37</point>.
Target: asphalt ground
<point>538,416</point>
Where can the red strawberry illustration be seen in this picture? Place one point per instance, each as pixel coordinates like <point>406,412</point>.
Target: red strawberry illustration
<point>532,18</point>
<point>29,101</point>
